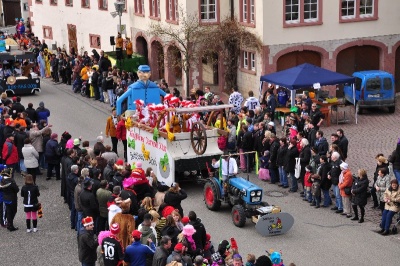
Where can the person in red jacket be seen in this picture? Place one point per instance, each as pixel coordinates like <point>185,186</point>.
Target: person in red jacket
<point>10,153</point>
<point>121,134</point>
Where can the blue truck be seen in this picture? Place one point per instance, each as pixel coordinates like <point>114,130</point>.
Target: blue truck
<point>372,89</point>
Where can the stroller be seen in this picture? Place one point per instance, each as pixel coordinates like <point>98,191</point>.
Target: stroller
<point>79,86</point>
<point>76,86</point>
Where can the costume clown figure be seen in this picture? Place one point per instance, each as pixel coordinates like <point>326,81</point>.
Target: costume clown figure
<point>142,114</point>
<point>141,89</point>
<point>191,119</point>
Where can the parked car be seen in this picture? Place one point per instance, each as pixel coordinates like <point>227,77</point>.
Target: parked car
<point>373,88</point>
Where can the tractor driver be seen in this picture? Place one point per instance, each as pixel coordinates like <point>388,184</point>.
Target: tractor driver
<point>229,166</point>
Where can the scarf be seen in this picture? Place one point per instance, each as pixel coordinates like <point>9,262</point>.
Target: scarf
<point>115,121</point>
<point>191,242</point>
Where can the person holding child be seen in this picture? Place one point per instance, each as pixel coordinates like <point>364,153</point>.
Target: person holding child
<point>308,184</point>
<point>316,190</point>
<point>263,172</point>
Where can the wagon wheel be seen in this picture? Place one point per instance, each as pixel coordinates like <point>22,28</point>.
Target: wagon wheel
<point>160,117</point>
<point>198,138</point>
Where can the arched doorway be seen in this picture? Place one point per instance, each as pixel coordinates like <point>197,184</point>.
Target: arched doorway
<point>141,47</point>
<point>354,59</point>
<point>174,59</point>
<point>210,69</point>
<point>157,60</point>
<point>297,58</point>
<point>397,69</point>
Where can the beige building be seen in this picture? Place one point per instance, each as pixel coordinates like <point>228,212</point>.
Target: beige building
<point>340,35</point>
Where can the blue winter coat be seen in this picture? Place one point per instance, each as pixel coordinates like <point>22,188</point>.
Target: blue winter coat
<point>42,114</point>
<point>52,153</point>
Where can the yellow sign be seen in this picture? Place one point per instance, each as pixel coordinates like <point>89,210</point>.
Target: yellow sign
<point>121,29</point>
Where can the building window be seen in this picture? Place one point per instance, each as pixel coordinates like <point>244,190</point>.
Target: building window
<point>139,7</point>
<point>358,10</point>
<point>252,61</point>
<point>348,9</point>
<point>95,41</point>
<point>103,4</point>
<point>247,14</point>
<point>302,12</point>
<point>310,10</point>
<point>86,3</point>
<point>172,10</point>
<point>53,2</point>
<point>39,1</point>
<point>292,11</point>
<point>366,8</point>
<point>69,2</point>
<point>208,10</point>
<point>47,32</point>
<point>245,59</point>
<point>155,8</point>
<point>249,62</point>
<point>176,4</point>
<point>172,13</point>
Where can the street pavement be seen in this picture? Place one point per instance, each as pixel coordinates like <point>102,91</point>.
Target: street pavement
<point>318,237</point>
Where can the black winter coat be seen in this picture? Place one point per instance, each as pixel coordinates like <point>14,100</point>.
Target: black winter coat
<point>335,172</point>
<point>19,139</point>
<point>89,203</point>
<point>291,156</point>
<point>322,146</point>
<point>174,199</point>
<point>323,171</point>
<point>247,141</point>
<point>200,236</point>
<point>72,181</point>
<point>10,189</point>
<point>359,190</point>
<point>281,158</point>
<point>273,151</point>
<point>52,153</point>
<point>394,158</point>
<point>87,246</point>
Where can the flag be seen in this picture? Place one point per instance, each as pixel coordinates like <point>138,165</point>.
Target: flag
<point>256,163</point>
<point>220,168</point>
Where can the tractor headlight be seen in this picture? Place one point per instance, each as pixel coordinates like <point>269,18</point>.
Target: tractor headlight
<point>252,194</point>
<point>255,199</point>
<point>259,193</point>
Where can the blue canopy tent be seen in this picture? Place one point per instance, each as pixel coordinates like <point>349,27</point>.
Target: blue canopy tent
<point>305,76</point>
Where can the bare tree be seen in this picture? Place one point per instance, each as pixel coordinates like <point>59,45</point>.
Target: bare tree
<point>196,41</point>
<point>230,37</point>
<point>189,37</point>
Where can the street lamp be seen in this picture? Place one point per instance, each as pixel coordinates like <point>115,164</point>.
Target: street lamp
<point>119,8</point>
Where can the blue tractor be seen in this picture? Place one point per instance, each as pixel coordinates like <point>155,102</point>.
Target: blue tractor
<point>243,196</point>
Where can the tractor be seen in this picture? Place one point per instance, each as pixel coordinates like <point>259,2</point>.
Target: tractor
<point>243,196</point>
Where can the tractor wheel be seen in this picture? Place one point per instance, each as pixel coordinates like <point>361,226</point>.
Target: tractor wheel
<point>211,196</point>
<point>238,216</point>
<point>392,109</point>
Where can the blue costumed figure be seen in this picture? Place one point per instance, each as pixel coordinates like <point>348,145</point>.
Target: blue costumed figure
<point>143,89</point>
<point>2,45</point>
<point>42,65</point>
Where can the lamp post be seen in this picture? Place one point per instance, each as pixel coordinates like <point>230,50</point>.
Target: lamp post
<point>119,8</point>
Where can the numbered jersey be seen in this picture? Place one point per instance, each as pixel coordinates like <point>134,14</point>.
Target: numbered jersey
<point>112,251</point>
<point>251,103</point>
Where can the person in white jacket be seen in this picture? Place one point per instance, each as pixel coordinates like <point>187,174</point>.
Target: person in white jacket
<point>31,158</point>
